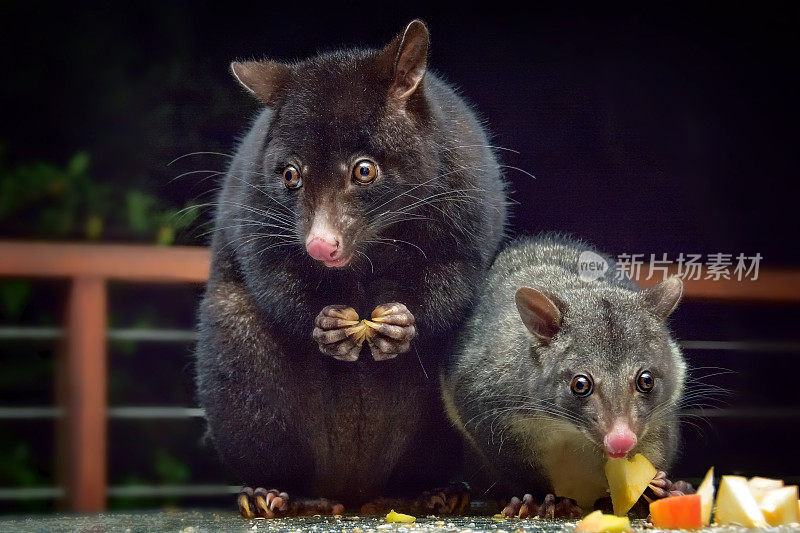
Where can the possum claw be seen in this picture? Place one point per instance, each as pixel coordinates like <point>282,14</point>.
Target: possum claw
<point>551,507</point>
<point>244,501</point>
<point>264,503</point>
<point>394,329</point>
<point>445,501</point>
<point>331,332</point>
<point>451,500</point>
<point>661,487</point>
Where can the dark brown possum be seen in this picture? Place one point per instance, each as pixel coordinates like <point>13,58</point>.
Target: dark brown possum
<point>366,181</point>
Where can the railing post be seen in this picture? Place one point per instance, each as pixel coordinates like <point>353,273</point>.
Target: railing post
<point>82,434</point>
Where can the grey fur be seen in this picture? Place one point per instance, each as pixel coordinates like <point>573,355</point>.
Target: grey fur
<point>509,392</point>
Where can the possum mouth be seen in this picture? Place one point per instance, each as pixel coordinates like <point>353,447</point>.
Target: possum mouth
<point>338,262</point>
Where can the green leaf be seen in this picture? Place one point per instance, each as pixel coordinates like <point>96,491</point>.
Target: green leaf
<point>98,199</point>
<point>185,217</point>
<point>94,227</point>
<point>18,468</point>
<point>165,236</point>
<point>170,469</point>
<point>14,295</point>
<point>79,164</point>
<point>56,221</point>
<point>139,210</point>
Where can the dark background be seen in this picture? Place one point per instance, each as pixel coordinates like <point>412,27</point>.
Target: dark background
<point>665,128</point>
<point>650,129</point>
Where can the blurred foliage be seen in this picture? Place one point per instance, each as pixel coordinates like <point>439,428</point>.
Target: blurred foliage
<point>43,200</point>
<point>138,86</point>
<point>169,469</point>
<point>14,295</point>
<point>132,502</point>
<point>19,470</point>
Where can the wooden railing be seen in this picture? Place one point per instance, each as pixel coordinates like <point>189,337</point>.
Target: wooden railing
<point>82,375</point>
<point>81,460</point>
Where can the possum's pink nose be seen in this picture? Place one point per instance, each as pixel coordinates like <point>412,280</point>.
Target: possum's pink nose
<point>322,250</point>
<point>620,440</point>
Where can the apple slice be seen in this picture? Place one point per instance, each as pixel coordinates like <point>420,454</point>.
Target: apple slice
<point>759,486</point>
<point>597,522</point>
<point>779,506</point>
<point>735,504</point>
<point>627,481</point>
<point>706,492</point>
<point>399,517</point>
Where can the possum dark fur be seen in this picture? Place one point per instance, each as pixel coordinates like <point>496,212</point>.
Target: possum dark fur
<point>281,413</point>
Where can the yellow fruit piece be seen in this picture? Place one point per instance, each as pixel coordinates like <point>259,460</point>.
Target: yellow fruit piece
<point>779,506</point>
<point>398,517</point>
<point>362,330</point>
<point>706,492</point>
<point>735,504</point>
<point>597,522</point>
<point>759,486</point>
<point>627,480</point>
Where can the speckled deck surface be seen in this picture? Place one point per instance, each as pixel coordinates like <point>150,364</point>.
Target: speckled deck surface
<point>203,521</point>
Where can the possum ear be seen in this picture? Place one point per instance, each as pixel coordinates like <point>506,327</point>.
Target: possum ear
<point>263,79</point>
<point>663,298</point>
<point>403,61</point>
<point>539,313</point>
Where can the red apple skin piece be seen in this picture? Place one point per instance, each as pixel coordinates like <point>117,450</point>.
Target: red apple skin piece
<point>677,512</point>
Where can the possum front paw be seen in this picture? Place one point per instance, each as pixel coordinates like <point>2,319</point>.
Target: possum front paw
<point>333,332</point>
<point>264,503</point>
<point>453,499</point>
<point>661,487</point>
<point>444,501</point>
<point>394,329</point>
<point>551,507</point>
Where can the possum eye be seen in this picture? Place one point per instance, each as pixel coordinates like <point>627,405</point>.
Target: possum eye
<point>291,177</point>
<point>645,382</point>
<point>581,386</point>
<point>365,171</point>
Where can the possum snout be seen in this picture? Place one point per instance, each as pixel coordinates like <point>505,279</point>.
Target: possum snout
<point>325,243</point>
<point>328,250</point>
<point>322,249</point>
<point>620,439</point>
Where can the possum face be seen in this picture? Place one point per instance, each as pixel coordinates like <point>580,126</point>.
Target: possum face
<point>608,365</point>
<point>346,154</point>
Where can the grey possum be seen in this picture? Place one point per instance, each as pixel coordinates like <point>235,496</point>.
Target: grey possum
<point>555,373</point>
<point>366,186</point>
